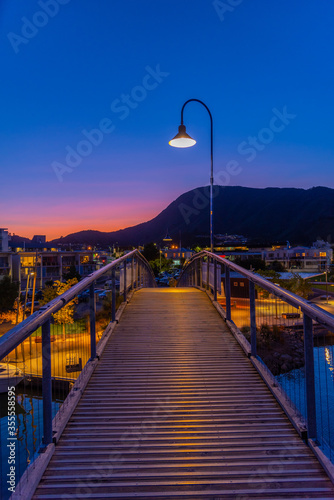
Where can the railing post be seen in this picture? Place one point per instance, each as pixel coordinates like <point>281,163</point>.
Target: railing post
<point>309,378</point>
<point>252,317</point>
<point>215,281</point>
<point>125,291</point>
<point>136,272</point>
<point>132,273</point>
<point>228,293</point>
<point>46,384</point>
<point>207,274</point>
<point>113,294</point>
<point>92,310</point>
<point>139,274</point>
<point>201,273</point>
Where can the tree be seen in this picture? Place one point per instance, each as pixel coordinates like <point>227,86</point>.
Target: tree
<point>49,293</point>
<point>274,278</point>
<point>166,265</point>
<point>72,274</point>
<point>8,294</point>
<point>255,262</point>
<point>150,251</point>
<point>277,266</point>
<point>66,315</point>
<point>296,284</point>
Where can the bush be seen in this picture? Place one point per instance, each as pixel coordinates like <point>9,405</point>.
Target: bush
<point>8,294</point>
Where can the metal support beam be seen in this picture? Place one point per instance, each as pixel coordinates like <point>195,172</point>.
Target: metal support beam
<point>207,273</point>
<point>46,383</point>
<point>125,288</point>
<point>252,317</point>
<point>228,293</point>
<point>309,378</point>
<point>139,274</point>
<point>215,281</point>
<point>92,322</point>
<point>113,295</point>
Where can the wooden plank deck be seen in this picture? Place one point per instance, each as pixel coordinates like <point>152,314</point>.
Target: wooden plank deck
<point>176,410</point>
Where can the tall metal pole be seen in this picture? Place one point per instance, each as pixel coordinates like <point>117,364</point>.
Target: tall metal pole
<point>92,321</point>
<point>310,378</point>
<point>46,383</point>
<point>211,175</point>
<point>252,317</point>
<point>113,294</point>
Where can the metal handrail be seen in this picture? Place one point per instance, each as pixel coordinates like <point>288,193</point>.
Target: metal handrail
<point>19,333</point>
<point>193,276</point>
<point>313,311</point>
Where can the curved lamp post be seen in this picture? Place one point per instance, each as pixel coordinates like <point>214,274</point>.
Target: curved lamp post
<point>183,140</point>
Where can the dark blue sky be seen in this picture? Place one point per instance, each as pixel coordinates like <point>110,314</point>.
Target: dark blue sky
<point>67,65</point>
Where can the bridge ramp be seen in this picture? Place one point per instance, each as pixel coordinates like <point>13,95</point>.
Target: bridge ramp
<point>176,410</point>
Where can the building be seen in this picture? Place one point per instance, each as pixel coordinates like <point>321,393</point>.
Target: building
<point>178,256</point>
<point>52,265</point>
<point>316,258</point>
<point>239,285</point>
<point>40,239</point>
<point>20,259</point>
<point>3,239</point>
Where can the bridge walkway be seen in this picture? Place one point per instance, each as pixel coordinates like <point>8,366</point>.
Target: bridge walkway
<point>175,409</point>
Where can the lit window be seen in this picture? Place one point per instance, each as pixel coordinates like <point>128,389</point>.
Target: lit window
<point>235,283</point>
<point>242,284</point>
<point>322,254</point>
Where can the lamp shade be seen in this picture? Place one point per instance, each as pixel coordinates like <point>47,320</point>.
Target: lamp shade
<point>182,139</point>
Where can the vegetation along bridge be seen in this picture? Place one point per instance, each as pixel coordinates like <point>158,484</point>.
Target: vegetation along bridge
<point>173,401</point>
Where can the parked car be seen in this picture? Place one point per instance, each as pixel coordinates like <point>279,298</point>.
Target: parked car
<point>108,284</point>
<point>29,304</point>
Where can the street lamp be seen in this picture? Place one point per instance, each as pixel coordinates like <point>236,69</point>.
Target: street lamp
<point>183,140</point>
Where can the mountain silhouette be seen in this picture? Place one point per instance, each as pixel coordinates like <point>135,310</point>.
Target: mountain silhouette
<point>265,215</point>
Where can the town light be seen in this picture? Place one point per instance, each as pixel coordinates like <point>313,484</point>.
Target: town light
<point>182,139</point>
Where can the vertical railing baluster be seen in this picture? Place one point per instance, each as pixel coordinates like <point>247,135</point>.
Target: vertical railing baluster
<point>92,314</point>
<point>207,274</point>
<point>252,317</point>
<point>309,378</point>
<point>125,287</point>
<point>132,273</point>
<point>136,273</point>
<point>201,273</point>
<point>46,383</point>
<point>215,281</point>
<point>113,294</point>
<point>139,274</point>
<point>228,293</point>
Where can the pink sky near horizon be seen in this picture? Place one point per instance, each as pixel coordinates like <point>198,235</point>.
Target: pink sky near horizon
<point>81,218</point>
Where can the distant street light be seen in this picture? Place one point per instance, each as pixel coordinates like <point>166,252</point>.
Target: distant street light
<point>183,140</point>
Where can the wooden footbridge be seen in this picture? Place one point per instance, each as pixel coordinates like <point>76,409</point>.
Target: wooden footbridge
<point>175,410</point>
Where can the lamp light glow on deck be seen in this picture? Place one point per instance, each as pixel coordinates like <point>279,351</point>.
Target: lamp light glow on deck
<point>182,139</point>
